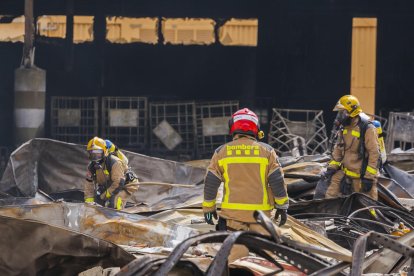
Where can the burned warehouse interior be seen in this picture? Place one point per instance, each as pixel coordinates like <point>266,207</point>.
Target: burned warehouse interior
<point>168,106</point>
<point>302,58</point>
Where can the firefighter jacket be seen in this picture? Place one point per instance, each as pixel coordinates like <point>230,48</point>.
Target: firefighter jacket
<point>252,176</point>
<point>110,177</point>
<point>346,154</point>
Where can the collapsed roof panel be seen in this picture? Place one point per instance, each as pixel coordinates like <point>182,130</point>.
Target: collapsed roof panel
<point>318,237</point>
<point>54,166</point>
<point>37,248</point>
<point>108,224</point>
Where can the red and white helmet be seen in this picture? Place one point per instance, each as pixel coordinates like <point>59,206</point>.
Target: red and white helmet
<point>244,121</point>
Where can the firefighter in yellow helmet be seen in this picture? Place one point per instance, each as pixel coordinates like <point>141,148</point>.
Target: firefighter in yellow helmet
<point>355,158</point>
<point>109,181</point>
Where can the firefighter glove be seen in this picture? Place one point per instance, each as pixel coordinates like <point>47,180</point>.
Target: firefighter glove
<point>209,217</point>
<point>282,213</point>
<point>329,173</point>
<point>366,185</point>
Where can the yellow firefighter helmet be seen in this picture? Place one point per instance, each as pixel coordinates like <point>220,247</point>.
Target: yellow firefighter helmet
<point>350,104</point>
<point>97,149</point>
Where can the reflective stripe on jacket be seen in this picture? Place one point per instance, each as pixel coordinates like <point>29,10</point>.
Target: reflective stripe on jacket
<point>346,153</point>
<point>252,176</point>
<point>112,174</point>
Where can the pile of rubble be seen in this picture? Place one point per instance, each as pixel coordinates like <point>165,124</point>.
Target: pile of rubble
<point>46,228</point>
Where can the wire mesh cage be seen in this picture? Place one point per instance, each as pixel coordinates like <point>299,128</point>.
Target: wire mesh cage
<point>298,132</point>
<point>400,132</point>
<point>173,130</point>
<point>74,119</point>
<point>212,125</point>
<point>125,121</point>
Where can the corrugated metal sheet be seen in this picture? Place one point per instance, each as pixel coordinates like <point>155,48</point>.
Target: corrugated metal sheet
<point>108,224</point>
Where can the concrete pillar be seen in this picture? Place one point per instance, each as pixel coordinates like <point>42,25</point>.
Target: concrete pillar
<point>29,104</point>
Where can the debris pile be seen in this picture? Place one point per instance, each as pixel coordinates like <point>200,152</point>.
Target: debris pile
<point>50,230</point>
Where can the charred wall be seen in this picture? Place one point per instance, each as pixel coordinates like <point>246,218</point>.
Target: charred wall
<point>182,72</point>
<point>10,56</point>
<point>199,72</point>
<point>304,52</point>
<point>395,62</point>
<point>159,72</point>
<point>303,58</point>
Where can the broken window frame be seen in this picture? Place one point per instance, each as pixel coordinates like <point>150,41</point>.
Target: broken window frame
<point>60,23</point>
<point>240,38</point>
<point>147,24</point>
<point>77,33</point>
<point>20,29</point>
<point>182,24</point>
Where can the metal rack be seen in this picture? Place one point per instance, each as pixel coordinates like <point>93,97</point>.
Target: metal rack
<point>212,125</point>
<point>173,129</point>
<point>298,132</point>
<point>124,121</point>
<point>74,119</point>
<point>400,131</point>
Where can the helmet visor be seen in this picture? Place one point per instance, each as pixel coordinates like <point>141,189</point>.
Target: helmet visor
<point>96,155</point>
